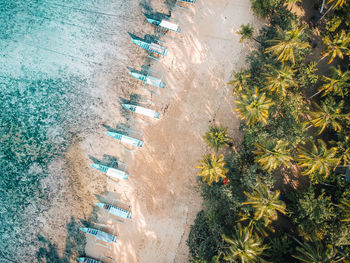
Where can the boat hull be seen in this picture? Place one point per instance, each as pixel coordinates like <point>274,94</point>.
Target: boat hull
<point>116,211</point>
<point>152,47</point>
<point>148,79</point>
<point>111,172</point>
<point>142,110</point>
<point>88,260</point>
<point>100,235</point>
<point>125,139</point>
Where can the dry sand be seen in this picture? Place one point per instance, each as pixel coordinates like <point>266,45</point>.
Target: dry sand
<point>161,189</point>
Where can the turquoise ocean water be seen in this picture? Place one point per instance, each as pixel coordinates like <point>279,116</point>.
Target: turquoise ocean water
<point>49,53</point>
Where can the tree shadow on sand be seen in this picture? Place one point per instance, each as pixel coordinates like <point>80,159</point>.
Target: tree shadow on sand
<point>75,245</point>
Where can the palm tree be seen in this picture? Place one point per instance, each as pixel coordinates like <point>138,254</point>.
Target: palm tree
<point>244,246</point>
<point>345,206</point>
<point>328,114</point>
<point>279,80</point>
<point>257,226</point>
<point>316,252</point>
<point>272,155</point>
<point>239,82</point>
<point>336,47</point>
<point>317,158</point>
<point>246,32</point>
<point>288,41</point>
<point>254,107</point>
<point>343,150</point>
<point>337,83</point>
<point>336,3</point>
<point>217,137</point>
<point>265,203</point>
<point>212,168</point>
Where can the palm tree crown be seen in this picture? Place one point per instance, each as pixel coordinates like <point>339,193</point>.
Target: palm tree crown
<point>288,41</point>
<point>337,2</point>
<point>279,80</point>
<point>217,137</point>
<point>239,82</point>
<point>254,107</point>
<point>345,206</point>
<point>272,155</point>
<point>246,32</point>
<point>316,252</point>
<point>336,47</point>
<point>212,168</point>
<point>317,158</point>
<point>336,83</point>
<point>343,150</point>
<point>265,203</point>
<point>328,114</point>
<point>244,246</point>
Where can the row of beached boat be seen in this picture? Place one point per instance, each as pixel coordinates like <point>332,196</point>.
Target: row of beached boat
<point>119,174</point>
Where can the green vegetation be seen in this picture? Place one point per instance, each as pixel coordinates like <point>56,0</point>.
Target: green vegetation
<point>246,32</point>
<point>287,43</point>
<point>254,107</point>
<point>244,246</point>
<point>250,211</point>
<point>217,137</point>
<point>272,155</point>
<point>337,46</point>
<point>212,168</point>
<point>265,203</point>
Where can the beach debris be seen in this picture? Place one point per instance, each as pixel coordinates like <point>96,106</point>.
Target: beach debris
<point>141,110</point>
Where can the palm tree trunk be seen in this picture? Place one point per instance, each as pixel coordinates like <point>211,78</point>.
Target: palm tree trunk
<point>329,9</point>
<point>323,2</point>
<point>256,40</point>
<point>318,92</point>
<point>321,59</point>
<point>294,4</point>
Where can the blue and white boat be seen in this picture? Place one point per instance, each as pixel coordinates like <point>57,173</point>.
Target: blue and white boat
<point>116,211</point>
<point>188,1</point>
<point>164,24</point>
<point>88,260</point>
<point>126,139</point>
<point>156,82</point>
<point>111,172</point>
<point>152,47</point>
<point>100,235</point>
<point>141,110</point>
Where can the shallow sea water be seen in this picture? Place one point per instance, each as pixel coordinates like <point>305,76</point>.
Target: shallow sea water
<point>50,51</point>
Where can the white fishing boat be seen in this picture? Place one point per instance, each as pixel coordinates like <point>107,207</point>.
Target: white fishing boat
<point>116,211</point>
<point>142,110</point>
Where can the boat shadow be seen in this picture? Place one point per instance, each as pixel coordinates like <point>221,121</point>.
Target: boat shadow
<point>108,160</point>
<point>170,4</point>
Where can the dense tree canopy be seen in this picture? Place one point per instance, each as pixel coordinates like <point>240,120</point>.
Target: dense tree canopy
<point>282,194</point>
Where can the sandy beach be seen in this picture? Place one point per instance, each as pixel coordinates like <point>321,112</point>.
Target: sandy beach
<point>161,188</point>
